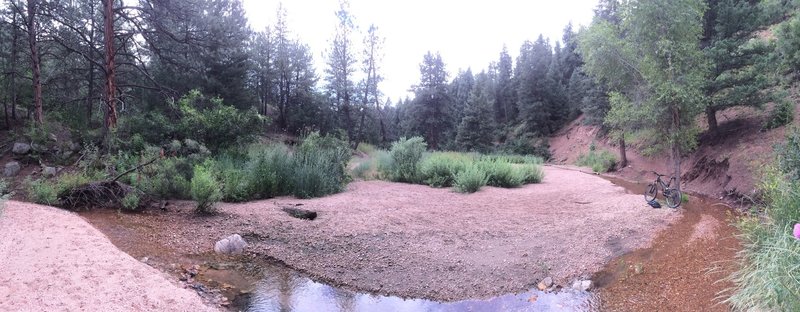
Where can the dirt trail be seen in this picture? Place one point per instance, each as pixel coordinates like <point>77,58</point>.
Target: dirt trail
<point>52,260</point>
<point>416,241</point>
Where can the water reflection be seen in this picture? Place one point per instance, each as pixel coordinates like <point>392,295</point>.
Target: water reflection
<point>285,291</point>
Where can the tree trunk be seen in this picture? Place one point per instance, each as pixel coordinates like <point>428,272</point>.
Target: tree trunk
<point>90,78</point>
<point>14,53</point>
<point>622,156</point>
<point>676,149</point>
<point>111,88</point>
<point>711,116</point>
<point>35,62</point>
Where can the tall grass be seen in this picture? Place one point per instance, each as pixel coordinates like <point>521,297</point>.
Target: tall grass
<point>470,180</point>
<point>768,278</point>
<point>315,168</point>
<point>408,162</point>
<point>600,162</point>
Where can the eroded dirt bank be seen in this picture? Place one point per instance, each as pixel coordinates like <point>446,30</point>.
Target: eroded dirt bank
<point>416,241</point>
<point>52,260</point>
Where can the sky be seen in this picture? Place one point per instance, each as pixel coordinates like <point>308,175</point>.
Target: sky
<point>467,33</point>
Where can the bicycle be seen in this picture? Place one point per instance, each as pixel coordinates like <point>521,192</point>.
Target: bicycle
<point>672,195</point>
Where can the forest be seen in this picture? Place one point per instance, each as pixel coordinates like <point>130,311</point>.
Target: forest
<point>182,99</point>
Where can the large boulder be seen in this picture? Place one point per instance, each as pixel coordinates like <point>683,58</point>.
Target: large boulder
<point>11,169</point>
<point>233,244</point>
<point>21,148</point>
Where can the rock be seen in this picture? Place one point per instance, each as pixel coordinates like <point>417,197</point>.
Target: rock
<point>545,283</point>
<point>21,148</point>
<point>53,137</point>
<point>49,171</point>
<point>38,148</point>
<point>11,169</point>
<point>584,285</point>
<point>233,244</point>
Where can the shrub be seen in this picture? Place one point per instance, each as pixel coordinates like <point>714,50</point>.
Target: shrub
<point>788,154</point>
<point>319,172</point>
<point>363,168</point>
<point>130,201</point>
<point>531,173</point>
<point>440,169</point>
<point>269,168</point>
<point>406,155</point>
<point>782,114</point>
<point>205,190</point>
<point>6,194</point>
<point>470,180</point>
<point>501,173</point>
<point>603,161</point>
<point>366,148</point>
<point>42,191</point>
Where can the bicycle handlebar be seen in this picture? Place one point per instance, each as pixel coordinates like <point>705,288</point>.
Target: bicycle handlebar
<point>658,174</point>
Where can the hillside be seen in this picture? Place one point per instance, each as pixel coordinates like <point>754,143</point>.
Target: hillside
<point>723,165</point>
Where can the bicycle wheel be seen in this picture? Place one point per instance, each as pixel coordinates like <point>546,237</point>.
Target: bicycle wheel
<point>650,192</point>
<point>673,197</point>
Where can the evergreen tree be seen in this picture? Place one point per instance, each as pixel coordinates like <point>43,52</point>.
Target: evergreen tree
<point>476,127</point>
<point>738,75</point>
<point>429,112</point>
<point>505,97</point>
<point>341,68</point>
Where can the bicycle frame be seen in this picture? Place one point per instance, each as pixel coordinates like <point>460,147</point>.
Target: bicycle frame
<point>663,185</point>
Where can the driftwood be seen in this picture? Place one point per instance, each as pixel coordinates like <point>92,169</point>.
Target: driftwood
<point>100,194</point>
<point>300,213</point>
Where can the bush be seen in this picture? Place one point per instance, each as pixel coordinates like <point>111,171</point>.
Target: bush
<point>470,180</point>
<point>531,174</point>
<point>600,162</point>
<point>440,169</point>
<point>782,114</point>
<point>6,194</point>
<point>788,154</point>
<point>319,171</point>
<point>130,201</point>
<point>42,192</point>
<point>363,168</point>
<point>406,155</point>
<point>366,148</point>
<point>205,190</point>
<point>501,173</point>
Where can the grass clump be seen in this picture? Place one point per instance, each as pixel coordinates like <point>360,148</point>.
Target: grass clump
<point>501,173</point>
<point>531,174</point>
<point>440,169</point>
<point>470,180</point>
<point>42,191</point>
<point>205,190</point>
<point>131,201</point>
<point>600,162</point>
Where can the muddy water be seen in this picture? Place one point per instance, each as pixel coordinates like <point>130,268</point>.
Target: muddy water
<point>285,290</point>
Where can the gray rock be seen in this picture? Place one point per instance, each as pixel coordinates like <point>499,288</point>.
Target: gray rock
<point>21,148</point>
<point>584,285</point>
<point>49,171</point>
<point>233,244</point>
<point>38,148</point>
<point>545,283</point>
<point>11,169</point>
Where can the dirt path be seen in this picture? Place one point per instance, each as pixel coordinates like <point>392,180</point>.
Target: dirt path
<point>417,241</point>
<point>52,260</point>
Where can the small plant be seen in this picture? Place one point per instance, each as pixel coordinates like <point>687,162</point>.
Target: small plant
<point>205,190</point>
<point>501,174</point>
<point>42,192</point>
<point>130,201</point>
<point>782,114</point>
<point>440,169</point>
<point>363,169</point>
<point>6,194</point>
<point>684,198</point>
<point>470,180</point>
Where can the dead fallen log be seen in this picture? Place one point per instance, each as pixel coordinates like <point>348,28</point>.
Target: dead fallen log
<point>300,213</point>
<point>99,194</point>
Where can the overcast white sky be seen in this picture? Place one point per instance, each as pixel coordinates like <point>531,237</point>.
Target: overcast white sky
<point>466,33</point>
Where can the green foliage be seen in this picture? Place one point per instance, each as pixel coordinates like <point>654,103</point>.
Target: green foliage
<point>501,173</point>
<point>600,162</point>
<point>788,45</point>
<point>782,115</point>
<point>767,276</point>
<point>131,201</point>
<point>366,148</point>
<point>788,154</point>
<point>531,174</point>
<point>42,191</point>
<point>319,170</point>
<point>470,180</point>
<point>405,157</point>
<point>527,144</point>
<point>206,120</point>
<point>363,169</point>
<point>166,178</point>
<point>205,190</point>
<point>440,169</point>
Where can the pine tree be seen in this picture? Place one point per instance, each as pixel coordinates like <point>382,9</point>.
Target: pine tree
<point>475,131</point>
<point>431,117</point>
